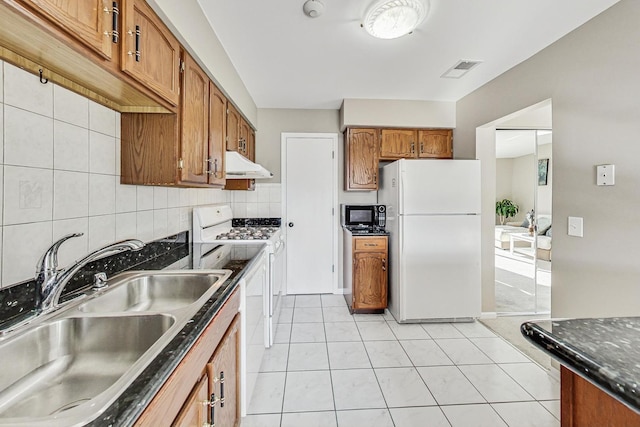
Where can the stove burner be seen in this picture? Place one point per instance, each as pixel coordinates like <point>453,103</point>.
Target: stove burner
<point>248,233</point>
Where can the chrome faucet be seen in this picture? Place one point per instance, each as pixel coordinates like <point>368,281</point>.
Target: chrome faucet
<point>50,281</point>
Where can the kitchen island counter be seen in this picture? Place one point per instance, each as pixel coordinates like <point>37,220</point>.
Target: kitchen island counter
<point>603,351</point>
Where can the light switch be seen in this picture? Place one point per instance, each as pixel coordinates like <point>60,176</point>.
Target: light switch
<point>575,226</point>
<point>606,174</point>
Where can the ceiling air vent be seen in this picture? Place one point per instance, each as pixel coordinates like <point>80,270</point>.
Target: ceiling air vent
<point>461,68</point>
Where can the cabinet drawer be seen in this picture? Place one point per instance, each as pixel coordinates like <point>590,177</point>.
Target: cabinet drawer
<point>369,244</point>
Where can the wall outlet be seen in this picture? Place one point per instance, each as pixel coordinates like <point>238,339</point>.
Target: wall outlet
<point>606,175</point>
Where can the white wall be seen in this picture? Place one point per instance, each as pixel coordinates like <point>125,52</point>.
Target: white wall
<point>397,113</point>
<point>591,77</point>
<point>60,174</point>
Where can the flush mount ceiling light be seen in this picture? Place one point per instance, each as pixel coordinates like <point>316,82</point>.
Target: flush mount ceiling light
<point>390,19</point>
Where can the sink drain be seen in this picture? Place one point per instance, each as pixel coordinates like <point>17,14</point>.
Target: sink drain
<point>70,405</point>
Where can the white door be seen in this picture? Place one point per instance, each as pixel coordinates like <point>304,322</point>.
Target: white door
<point>309,167</point>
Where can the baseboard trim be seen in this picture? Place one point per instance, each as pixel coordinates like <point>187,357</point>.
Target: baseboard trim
<point>488,315</point>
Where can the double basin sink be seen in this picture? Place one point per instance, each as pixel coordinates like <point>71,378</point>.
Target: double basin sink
<point>65,368</point>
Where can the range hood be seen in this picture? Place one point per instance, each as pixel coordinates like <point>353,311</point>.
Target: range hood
<point>239,167</point>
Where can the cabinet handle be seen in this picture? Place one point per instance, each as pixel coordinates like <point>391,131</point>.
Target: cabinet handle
<point>221,390</point>
<point>215,168</point>
<point>413,148</point>
<point>211,403</point>
<point>421,147</point>
<point>375,177</point>
<point>137,51</point>
<point>384,264</point>
<point>115,30</point>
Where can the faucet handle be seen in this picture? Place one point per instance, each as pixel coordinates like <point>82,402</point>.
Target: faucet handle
<point>49,260</point>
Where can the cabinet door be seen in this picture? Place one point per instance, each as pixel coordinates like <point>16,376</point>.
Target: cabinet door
<point>224,365</point>
<point>195,413</point>
<point>397,144</point>
<point>217,134</point>
<point>194,119</point>
<point>243,140</point>
<point>150,53</point>
<point>435,143</point>
<point>233,128</point>
<point>369,280</point>
<point>89,21</point>
<point>361,159</point>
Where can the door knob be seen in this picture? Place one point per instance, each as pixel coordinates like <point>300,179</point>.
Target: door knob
<point>290,224</point>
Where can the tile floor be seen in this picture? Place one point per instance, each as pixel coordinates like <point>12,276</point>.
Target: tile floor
<point>330,369</point>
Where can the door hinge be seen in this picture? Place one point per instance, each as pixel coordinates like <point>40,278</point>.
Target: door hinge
<point>333,268</point>
<point>181,66</point>
<point>333,154</point>
<point>180,164</point>
<point>333,211</point>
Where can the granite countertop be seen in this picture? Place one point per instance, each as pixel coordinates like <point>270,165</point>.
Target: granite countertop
<point>175,252</point>
<point>604,351</point>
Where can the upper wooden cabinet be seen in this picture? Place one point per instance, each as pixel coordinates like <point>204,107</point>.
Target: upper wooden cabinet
<point>185,150</point>
<point>233,128</point>
<point>416,143</point>
<point>194,123</point>
<point>150,53</point>
<point>435,143</point>
<point>92,22</point>
<point>361,159</point>
<point>397,144</point>
<point>217,135</point>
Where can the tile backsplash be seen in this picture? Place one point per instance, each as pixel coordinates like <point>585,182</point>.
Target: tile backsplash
<point>60,173</point>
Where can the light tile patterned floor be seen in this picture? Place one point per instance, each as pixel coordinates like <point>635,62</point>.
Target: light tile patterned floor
<point>331,369</point>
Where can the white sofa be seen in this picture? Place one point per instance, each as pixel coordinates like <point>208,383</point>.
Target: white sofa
<point>502,233</point>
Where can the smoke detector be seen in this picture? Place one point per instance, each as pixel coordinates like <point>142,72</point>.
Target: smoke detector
<point>313,8</point>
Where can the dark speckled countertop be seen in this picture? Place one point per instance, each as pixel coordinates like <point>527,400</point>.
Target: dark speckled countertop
<point>173,253</point>
<point>604,351</point>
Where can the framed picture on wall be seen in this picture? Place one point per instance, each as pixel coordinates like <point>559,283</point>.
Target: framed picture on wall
<point>543,169</point>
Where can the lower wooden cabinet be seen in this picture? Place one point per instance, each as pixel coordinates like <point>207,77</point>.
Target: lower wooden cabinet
<point>583,404</point>
<point>366,273</point>
<point>196,389</point>
<point>195,412</point>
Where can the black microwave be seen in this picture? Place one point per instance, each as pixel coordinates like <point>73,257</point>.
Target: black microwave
<point>363,215</point>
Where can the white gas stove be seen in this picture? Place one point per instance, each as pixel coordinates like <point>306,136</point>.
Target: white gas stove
<point>213,224</point>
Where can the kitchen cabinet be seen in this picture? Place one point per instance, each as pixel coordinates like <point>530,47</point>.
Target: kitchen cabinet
<point>194,123</point>
<point>223,379</point>
<point>242,140</point>
<point>71,43</point>
<point>150,53</point>
<point>217,135</point>
<point>435,143</point>
<point>397,144</point>
<point>233,128</point>
<point>91,22</point>
<point>365,273</point>
<point>583,404</point>
<point>215,351</point>
<point>416,143</point>
<point>361,159</point>
<point>183,150</point>
<point>195,412</point>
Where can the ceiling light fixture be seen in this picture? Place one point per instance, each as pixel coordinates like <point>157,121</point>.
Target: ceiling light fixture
<point>390,19</point>
<point>313,8</point>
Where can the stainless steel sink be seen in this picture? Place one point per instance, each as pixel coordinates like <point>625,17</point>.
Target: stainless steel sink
<point>65,368</point>
<point>153,291</point>
<point>64,363</point>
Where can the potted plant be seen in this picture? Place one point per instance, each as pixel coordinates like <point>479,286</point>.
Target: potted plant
<point>505,209</point>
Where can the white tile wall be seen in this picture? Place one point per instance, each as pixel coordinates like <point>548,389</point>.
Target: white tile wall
<point>59,174</point>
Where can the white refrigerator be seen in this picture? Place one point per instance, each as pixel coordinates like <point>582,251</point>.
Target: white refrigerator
<point>433,217</point>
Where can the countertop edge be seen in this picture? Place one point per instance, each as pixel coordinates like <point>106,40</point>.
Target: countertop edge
<point>581,364</point>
